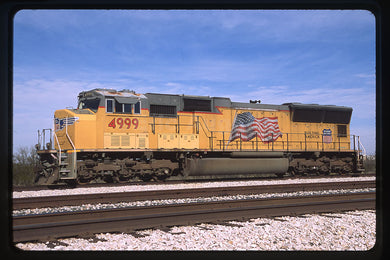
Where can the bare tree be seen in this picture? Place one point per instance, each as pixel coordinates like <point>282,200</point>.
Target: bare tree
<point>24,161</point>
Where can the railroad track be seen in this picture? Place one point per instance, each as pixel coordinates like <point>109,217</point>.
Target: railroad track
<point>84,223</point>
<point>71,200</point>
<point>93,185</point>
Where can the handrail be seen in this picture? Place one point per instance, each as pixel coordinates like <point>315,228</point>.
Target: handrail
<point>66,132</point>
<point>70,141</point>
<point>286,142</point>
<point>195,123</point>
<point>300,141</point>
<point>204,123</point>
<point>42,139</point>
<point>59,147</point>
<point>361,144</point>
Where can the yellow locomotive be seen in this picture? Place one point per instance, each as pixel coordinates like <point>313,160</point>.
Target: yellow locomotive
<point>121,136</point>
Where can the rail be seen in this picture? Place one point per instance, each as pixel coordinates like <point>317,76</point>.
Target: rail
<point>59,148</point>
<point>74,154</point>
<point>53,136</point>
<point>43,226</point>
<point>67,135</point>
<point>204,126</point>
<point>177,123</point>
<point>42,139</point>
<point>219,140</point>
<point>116,197</point>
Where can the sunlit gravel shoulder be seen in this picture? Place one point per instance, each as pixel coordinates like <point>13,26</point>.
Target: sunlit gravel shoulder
<point>353,230</point>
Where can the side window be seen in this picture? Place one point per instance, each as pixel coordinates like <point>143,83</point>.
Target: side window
<point>110,105</point>
<point>127,108</point>
<point>137,108</point>
<point>118,107</point>
<point>113,106</point>
<point>341,130</point>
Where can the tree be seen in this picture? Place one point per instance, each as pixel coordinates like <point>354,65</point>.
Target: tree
<point>24,162</point>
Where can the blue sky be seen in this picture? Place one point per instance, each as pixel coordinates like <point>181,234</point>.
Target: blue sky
<point>308,56</point>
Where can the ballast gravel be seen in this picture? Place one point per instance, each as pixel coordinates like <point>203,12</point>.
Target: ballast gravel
<point>352,230</point>
<point>192,185</point>
<point>100,206</point>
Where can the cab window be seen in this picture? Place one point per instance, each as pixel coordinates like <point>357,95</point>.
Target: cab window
<point>127,108</point>
<point>92,104</point>
<point>110,105</point>
<point>137,108</point>
<point>118,107</point>
<point>122,108</point>
<point>113,106</point>
<point>341,130</point>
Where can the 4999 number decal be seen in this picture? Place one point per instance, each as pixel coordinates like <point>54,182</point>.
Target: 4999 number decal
<point>124,122</point>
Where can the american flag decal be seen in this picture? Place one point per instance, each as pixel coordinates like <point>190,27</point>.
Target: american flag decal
<point>247,127</point>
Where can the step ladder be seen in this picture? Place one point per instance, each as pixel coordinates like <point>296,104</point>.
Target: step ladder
<point>63,164</point>
<point>67,165</point>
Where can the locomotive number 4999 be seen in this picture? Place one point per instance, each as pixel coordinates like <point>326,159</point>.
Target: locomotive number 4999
<point>123,122</point>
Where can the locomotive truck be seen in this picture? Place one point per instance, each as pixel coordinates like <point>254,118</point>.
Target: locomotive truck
<point>123,136</point>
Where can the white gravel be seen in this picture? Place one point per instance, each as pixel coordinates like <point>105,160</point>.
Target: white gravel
<point>354,230</point>
<point>85,190</point>
<point>183,200</point>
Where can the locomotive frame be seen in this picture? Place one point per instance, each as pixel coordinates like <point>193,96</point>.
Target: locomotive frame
<point>121,136</point>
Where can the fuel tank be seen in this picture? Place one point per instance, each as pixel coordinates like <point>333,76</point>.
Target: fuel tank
<point>235,166</point>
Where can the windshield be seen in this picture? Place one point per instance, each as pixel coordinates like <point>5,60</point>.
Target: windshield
<point>92,104</point>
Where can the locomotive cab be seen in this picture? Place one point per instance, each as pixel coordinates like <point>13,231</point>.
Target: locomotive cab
<point>115,119</point>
